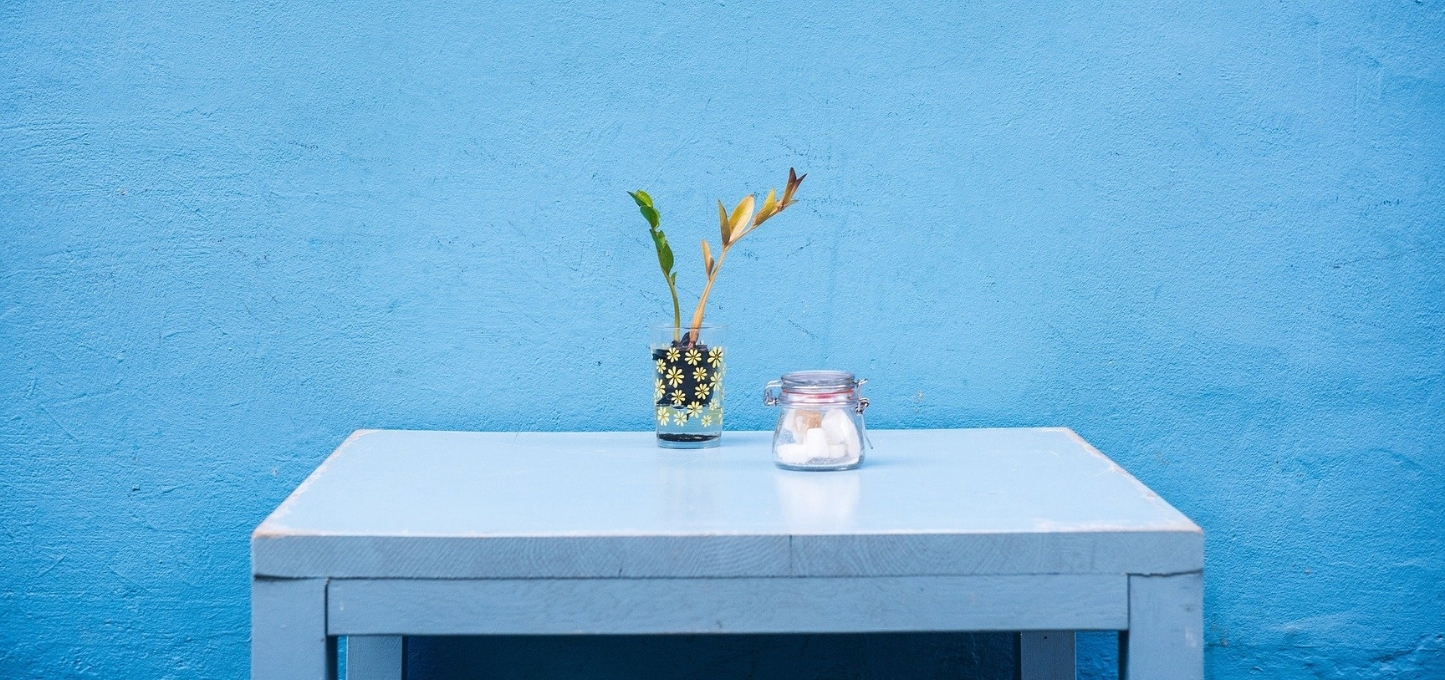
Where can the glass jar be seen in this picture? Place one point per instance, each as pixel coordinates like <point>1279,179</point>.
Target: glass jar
<point>687,386</point>
<point>821,424</point>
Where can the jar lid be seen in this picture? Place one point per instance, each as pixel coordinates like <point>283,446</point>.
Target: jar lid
<point>819,382</point>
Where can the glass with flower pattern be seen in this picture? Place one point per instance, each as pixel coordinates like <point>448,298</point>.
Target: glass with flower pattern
<point>687,391</point>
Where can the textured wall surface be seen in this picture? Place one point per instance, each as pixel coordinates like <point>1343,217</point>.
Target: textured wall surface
<point>1207,236</point>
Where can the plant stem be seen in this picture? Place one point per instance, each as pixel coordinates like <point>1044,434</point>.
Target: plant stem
<point>676,312</point>
<point>696,326</point>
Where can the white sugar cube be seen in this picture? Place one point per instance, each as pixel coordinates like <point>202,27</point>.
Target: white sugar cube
<point>793,454</point>
<point>816,441</point>
<point>840,430</point>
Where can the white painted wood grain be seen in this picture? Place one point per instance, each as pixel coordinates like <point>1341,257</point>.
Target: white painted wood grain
<point>475,484</point>
<point>397,504</point>
<point>726,556</point>
<point>1039,552</point>
<point>728,605</point>
<point>1166,627</point>
<point>288,630</point>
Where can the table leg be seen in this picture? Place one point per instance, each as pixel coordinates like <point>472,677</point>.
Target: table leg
<point>373,657</point>
<point>1046,655</point>
<point>288,630</point>
<point>1166,628</point>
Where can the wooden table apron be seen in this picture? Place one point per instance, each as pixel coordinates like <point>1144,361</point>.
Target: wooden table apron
<point>449,533</point>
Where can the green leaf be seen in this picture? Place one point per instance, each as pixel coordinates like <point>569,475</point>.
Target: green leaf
<point>664,251</point>
<point>644,204</point>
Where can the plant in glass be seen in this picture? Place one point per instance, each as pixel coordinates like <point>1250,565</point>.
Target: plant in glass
<point>688,367</point>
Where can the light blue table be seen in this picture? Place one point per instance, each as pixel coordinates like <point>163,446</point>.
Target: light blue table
<point>455,533</point>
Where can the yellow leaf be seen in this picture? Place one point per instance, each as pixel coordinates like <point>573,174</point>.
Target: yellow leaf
<point>722,221</point>
<point>742,215</point>
<point>770,207</point>
<point>706,258</point>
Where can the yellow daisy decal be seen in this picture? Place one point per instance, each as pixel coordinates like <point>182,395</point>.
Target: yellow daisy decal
<point>672,354</point>
<point>702,391</point>
<point>699,374</point>
<point>693,357</point>
<point>674,376</point>
<point>714,356</point>
<point>678,397</point>
<point>694,409</point>
<point>662,415</point>
<point>658,390</point>
<point>661,365</point>
<point>707,421</point>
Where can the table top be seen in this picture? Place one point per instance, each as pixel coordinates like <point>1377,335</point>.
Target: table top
<point>392,503</point>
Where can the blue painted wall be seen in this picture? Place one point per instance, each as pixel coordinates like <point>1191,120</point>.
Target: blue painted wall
<point>1207,236</point>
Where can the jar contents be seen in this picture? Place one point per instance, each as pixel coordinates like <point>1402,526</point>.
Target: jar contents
<point>821,438</point>
<point>820,426</point>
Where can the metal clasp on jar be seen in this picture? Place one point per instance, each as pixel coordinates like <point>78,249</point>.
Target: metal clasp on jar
<point>771,391</point>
